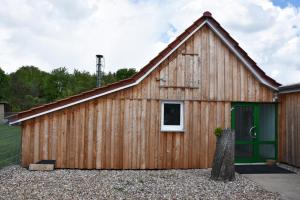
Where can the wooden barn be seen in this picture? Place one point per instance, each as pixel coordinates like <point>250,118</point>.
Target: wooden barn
<point>164,116</point>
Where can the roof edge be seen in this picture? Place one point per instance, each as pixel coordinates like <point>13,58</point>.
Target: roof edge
<point>291,88</point>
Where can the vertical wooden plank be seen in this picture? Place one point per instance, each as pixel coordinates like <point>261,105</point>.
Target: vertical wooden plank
<point>162,141</point>
<point>169,150</point>
<point>112,135</point>
<point>205,85</point>
<point>46,132</point>
<point>212,67</point>
<point>239,82</point>
<point>81,136</point>
<point>228,75</point>
<point>99,140</point>
<point>152,134</point>
<point>235,81</point>
<point>220,70</point>
<point>147,134</point>
<point>126,134</point>
<point>176,155</point>
<point>36,157</point>
<point>188,68</point>
<point>131,135</point>
<point>108,134</point>
<point>59,156</point>
<point>197,65</point>
<point>280,131</point>
<point>133,154</point>
<point>243,83</point>
<point>64,139</point>
<point>73,138</point>
<point>180,66</point>
<point>67,144</point>
<point>250,87</point>
<point>75,125</point>
<point>54,137</point>
<point>41,137</point>
<point>255,90</point>
<point>163,94</point>
<point>25,144</point>
<point>94,141</point>
<point>186,133</point>
<point>121,132</point>
<point>143,130</point>
<point>195,132</point>
<point>204,135</point>
<point>155,85</point>
<point>138,134</point>
<point>89,142</point>
<point>157,132</point>
<point>297,139</point>
<point>227,115</point>
<point>50,136</point>
<point>191,135</point>
<point>212,115</point>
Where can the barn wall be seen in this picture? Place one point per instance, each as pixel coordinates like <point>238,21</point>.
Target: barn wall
<point>122,130</point>
<point>289,127</point>
<point>124,134</point>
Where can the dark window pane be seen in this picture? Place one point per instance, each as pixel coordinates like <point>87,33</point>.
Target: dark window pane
<point>171,114</point>
<point>267,122</point>
<point>243,122</point>
<point>267,150</point>
<point>243,150</point>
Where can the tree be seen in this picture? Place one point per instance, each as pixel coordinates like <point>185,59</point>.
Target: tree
<point>27,83</point>
<point>120,74</point>
<point>58,84</point>
<point>4,86</point>
<point>82,81</point>
<point>124,73</point>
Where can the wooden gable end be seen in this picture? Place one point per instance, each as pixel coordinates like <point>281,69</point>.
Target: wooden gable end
<point>202,68</point>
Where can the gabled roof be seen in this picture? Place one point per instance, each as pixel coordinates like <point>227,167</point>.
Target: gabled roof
<point>206,19</point>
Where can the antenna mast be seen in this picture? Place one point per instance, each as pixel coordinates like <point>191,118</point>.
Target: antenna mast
<point>99,65</point>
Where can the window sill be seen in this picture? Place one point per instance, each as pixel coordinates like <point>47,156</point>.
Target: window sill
<point>172,131</point>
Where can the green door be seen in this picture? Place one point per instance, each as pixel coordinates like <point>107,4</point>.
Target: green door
<point>255,132</point>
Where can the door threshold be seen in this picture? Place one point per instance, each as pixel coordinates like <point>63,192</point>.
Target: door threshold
<point>258,163</point>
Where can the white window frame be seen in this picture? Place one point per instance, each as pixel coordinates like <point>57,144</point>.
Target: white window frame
<point>177,128</point>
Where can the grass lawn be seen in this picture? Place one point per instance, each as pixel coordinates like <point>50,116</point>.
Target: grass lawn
<point>10,138</point>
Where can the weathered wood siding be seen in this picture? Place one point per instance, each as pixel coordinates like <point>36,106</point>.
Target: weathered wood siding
<point>122,130</point>
<point>289,128</point>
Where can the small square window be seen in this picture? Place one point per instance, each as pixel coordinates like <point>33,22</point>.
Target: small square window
<point>172,116</point>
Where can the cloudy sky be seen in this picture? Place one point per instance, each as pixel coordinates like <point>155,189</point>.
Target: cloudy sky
<point>68,33</point>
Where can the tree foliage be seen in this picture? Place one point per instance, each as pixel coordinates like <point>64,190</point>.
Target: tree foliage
<point>29,86</point>
<point>4,85</point>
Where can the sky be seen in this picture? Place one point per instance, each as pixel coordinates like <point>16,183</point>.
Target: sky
<point>129,33</point>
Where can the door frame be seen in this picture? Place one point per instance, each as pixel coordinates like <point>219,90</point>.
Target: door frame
<point>256,158</point>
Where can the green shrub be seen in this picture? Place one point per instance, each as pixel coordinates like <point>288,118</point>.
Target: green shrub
<point>218,131</point>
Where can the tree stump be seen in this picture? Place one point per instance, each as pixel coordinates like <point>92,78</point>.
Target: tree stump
<point>223,164</point>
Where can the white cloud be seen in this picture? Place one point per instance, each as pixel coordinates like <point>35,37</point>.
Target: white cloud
<point>50,34</point>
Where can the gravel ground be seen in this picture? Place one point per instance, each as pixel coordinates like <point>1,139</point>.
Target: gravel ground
<point>19,183</point>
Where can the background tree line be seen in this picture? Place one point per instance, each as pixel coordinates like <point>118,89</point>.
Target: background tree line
<point>29,86</point>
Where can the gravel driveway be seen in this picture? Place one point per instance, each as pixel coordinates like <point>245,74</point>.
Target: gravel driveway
<point>19,183</point>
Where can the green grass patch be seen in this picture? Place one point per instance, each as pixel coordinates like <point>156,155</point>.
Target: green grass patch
<point>10,142</point>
